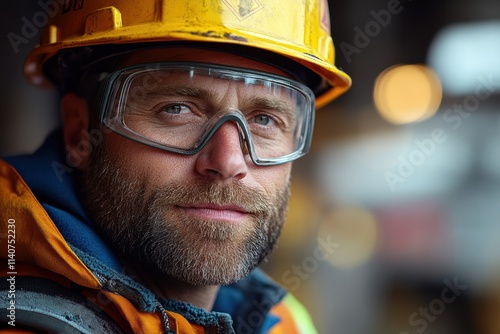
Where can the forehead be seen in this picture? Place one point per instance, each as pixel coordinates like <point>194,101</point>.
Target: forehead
<point>199,84</point>
<point>197,55</point>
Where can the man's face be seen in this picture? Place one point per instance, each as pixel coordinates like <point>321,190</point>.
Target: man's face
<point>205,219</point>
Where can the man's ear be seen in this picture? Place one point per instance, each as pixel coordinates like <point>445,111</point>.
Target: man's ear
<point>75,118</point>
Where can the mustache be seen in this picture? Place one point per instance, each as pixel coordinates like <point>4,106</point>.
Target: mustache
<point>250,200</point>
<point>103,172</point>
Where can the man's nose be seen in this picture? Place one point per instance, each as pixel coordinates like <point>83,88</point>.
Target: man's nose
<point>224,156</point>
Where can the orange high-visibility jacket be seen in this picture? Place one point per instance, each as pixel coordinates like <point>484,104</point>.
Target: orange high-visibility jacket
<point>58,275</point>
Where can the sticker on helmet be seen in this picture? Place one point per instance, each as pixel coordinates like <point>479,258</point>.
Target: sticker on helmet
<point>243,8</point>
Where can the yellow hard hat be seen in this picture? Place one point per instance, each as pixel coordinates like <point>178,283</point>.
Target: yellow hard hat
<point>298,30</point>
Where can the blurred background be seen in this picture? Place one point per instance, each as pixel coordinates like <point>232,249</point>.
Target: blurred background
<point>394,223</point>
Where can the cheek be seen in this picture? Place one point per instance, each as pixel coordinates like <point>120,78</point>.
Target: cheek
<point>152,165</point>
<point>272,178</point>
<point>157,167</point>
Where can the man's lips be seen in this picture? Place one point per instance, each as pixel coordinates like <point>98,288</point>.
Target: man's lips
<point>206,211</point>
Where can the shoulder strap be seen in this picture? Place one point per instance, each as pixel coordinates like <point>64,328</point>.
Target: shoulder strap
<point>44,306</point>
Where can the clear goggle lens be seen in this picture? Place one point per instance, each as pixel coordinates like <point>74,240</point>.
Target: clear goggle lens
<point>178,107</point>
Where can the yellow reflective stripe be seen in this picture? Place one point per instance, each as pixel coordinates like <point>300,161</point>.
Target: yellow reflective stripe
<point>301,316</point>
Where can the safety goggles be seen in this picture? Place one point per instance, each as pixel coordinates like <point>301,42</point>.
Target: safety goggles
<point>178,107</point>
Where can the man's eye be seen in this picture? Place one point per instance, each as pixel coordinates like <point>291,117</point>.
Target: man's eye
<point>262,119</point>
<point>176,109</point>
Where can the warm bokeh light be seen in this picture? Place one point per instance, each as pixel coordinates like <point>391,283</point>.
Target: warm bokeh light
<point>407,93</point>
<point>354,231</point>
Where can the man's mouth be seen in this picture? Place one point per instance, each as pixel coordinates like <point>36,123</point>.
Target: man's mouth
<point>214,212</point>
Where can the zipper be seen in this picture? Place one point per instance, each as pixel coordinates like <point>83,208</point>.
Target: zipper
<point>105,283</point>
<point>166,324</point>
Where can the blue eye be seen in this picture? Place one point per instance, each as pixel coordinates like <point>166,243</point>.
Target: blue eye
<point>262,119</point>
<point>176,109</point>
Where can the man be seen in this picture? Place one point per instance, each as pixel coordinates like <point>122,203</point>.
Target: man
<point>168,183</point>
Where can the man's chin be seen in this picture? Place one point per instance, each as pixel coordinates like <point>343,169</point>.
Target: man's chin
<point>200,272</point>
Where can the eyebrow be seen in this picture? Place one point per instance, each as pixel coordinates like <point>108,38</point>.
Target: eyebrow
<point>259,102</point>
<point>271,104</point>
<point>190,91</point>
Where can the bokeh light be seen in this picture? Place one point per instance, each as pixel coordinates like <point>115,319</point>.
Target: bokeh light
<point>407,93</point>
<point>354,231</point>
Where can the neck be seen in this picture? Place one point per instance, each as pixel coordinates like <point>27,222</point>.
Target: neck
<point>171,288</point>
<point>199,296</point>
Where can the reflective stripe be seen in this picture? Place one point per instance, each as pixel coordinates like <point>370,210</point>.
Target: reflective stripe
<point>295,319</point>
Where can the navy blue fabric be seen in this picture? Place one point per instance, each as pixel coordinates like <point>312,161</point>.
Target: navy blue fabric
<point>249,300</point>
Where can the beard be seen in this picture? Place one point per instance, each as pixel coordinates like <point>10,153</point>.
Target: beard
<point>146,226</point>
